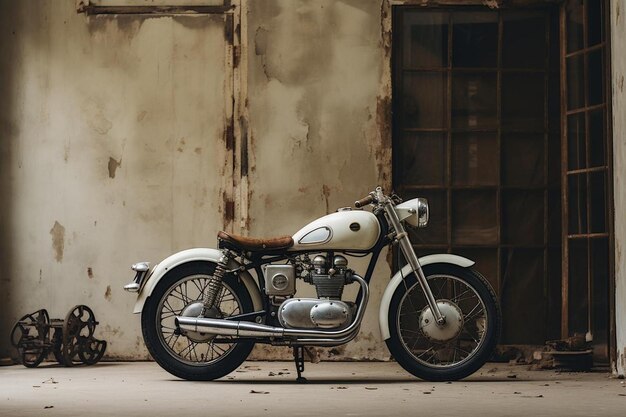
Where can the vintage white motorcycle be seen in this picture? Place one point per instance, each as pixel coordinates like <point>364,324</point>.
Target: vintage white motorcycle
<point>202,311</point>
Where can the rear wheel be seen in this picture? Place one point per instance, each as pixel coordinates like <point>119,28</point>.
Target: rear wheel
<point>467,339</point>
<point>194,356</point>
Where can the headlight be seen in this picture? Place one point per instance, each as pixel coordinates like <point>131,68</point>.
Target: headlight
<point>422,212</point>
<point>414,212</point>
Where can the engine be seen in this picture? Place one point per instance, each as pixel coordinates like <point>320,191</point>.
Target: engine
<point>328,279</point>
<point>329,276</point>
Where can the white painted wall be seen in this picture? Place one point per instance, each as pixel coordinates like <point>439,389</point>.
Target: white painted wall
<point>618,68</point>
<point>112,151</point>
<point>112,145</point>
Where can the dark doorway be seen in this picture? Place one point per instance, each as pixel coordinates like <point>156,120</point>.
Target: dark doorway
<point>477,132</point>
<point>501,119</point>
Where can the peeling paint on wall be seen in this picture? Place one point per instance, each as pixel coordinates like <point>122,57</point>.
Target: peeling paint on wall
<point>113,166</point>
<point>58,240</point>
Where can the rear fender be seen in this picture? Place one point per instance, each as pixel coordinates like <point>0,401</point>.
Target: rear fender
<point>194,255</point>
<point>440,258</point>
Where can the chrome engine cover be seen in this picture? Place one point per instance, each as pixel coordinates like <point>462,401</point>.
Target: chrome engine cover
<point>314,313</point>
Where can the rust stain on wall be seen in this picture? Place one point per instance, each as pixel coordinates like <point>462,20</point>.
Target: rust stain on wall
<point>229,135</point>
<point>326,194</point>
<point>383,148</point>
<point>113,166</point>
<point>228,209</point>
<point>58,240</point>
<point>128,26</point>
<point>107,293</point>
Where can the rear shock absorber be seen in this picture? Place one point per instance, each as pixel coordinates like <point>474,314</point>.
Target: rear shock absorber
<point>215,284</point>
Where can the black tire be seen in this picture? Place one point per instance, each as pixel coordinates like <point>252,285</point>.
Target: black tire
<point>483,350</point>
<point>226,363</point>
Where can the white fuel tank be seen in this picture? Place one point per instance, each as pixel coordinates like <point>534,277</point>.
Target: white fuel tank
<point>349,230</point>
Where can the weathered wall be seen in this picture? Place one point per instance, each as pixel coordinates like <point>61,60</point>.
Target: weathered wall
<point>112,151</point>
<point>318,90</point>
<point>113,144</point>
<point>618,56</point>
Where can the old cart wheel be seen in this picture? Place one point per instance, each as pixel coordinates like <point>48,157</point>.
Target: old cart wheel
<point>30,337</point>
<point>91,350</point>
<point>79,323</point>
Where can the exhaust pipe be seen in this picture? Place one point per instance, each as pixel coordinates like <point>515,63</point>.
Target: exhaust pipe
<point>228,328</point>
<point>248,329</point>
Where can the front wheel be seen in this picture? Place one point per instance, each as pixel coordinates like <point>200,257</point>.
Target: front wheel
<point>194,355</point>
<point>467,339</point>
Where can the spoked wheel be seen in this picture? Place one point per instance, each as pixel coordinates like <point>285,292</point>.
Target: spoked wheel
<point>466,340</point>
<point>78,327</point>
<point>194,355</point>
<point>30,337</point>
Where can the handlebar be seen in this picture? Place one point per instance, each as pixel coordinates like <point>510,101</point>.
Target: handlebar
<point>364,201</point>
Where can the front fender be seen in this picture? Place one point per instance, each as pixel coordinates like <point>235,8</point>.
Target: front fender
<point>191,255</point>
<point>445,258</point>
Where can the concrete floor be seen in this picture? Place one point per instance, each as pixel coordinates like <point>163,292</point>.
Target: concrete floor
<point>334,389</point>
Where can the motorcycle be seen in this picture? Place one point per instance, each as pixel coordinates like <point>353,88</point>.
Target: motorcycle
<point>202,311</point>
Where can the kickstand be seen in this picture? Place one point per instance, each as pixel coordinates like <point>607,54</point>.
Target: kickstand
<point>298,357</point>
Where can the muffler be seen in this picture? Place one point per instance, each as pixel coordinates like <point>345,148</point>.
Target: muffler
<point>227,327</point>
<point>224,327</point>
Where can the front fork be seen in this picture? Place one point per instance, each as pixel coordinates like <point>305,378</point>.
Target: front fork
<point>407,249</point>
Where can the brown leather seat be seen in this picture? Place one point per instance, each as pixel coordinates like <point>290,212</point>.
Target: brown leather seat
<point>255,245</point>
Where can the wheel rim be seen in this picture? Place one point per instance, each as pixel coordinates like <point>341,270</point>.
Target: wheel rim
<point>181,294</point>
<point>456,351</point>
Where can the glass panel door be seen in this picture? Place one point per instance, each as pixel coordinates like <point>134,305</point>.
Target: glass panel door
<point>587,221</point>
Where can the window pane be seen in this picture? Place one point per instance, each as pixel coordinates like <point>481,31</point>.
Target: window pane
<point>474,159</point>
<point>595,79</point>
<point>474,39</point>
<point>524,40</point>
<point>423,100</point>
<point>554,160</point>
<point>523,159</point>
<point>576,148</point>
<point>523,101</point>
<point>522,217</point>
<point>554,218</point>
<point>425,40</point>
<point>523,298</point>
<point>474,218</point>
<point>597,202</point>
<point>600,313</point>
<point>578,288</point>
<point>595,21</point>
<point>575,77</point>
<point>574,21</point>
<point>577,204</point>
<point>422,159</point>
<point>597,138</point>
<point>474,100</point>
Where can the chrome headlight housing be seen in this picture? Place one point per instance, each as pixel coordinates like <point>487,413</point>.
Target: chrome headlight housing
<point>415,212</point>
<point>423,212</point>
